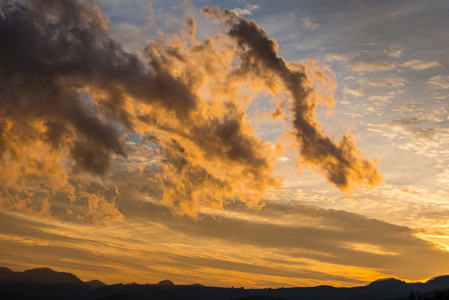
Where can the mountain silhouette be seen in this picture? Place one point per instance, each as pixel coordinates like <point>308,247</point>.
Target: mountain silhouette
<point>48,276</point>
<point>39,276</point>
<point>5,270</point>
<point>44,283</point>
<point>166,282</point>
<point>40,283</point>
<point>439,282</point>
<point>387,283</point>
<point>95,284</point>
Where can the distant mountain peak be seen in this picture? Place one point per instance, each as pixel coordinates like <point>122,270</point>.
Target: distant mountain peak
<point>48,276</point>
<point>166,282</point>
<point>95,284</point>
<point>197,285</point>
<point>5,270</point>
<point>36,270</point>
<point>386,282</point>
<point>438,278</point>
<point>439,282</point>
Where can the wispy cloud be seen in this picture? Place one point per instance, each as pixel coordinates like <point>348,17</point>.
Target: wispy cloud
<point>308,24</point>
<point>394,51</point>
<point>419,65</point>
<point>373,66</point>
<point>380,98</point>
<point>248,10</point>
<point>354,92</point>
<point>387,82</point>
<point>409,108</point>
<point>439,82</point>
<point>331,57</point>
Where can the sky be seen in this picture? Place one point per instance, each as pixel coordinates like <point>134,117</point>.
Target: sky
<point>229,143</point>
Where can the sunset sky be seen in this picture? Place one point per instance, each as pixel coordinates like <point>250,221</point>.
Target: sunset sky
<point>227,143</point>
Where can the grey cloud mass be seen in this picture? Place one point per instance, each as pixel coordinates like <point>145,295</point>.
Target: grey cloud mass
<point>71,96</point>
<point>340,161</point>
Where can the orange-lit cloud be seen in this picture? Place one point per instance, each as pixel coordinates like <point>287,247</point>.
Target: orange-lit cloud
<point>281,244</point>
<point>339,161</point>
<point>71,96</point>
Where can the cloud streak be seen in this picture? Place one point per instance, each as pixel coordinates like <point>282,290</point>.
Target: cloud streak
<point>439,82</point>
<point>419,65</point>
<point>308,243</point>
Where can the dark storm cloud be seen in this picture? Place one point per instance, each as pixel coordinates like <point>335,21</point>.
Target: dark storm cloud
<point>45,59</point>
<point>66,82</point>
<point>67,89</point>
<point>340,161</point>
<point>50,51</point>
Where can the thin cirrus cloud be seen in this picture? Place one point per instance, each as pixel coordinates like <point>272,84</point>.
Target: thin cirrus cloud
<point>308,24</point>
<point>359,92</point>
<point>331,57</point>
<point>394,51</point>
<point>388,82</point>
<point>439,82</point>
<point>372,66</point>
<point>68,86</point>
<point>368,61</point>
<point>248,10</point>
<point>381,82</point>
<point>359,87</point>
<point>420,65</point>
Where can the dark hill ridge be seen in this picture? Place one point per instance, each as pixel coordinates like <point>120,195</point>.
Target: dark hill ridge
<point>440,281</point>
<point>40,284</point>
<point>95,284</point>
<point>166,282</point>
<point>39,276</point>
<point>5,270</point>
<point>387,282</point>
<point>48,276</point>
<point>44,283</point>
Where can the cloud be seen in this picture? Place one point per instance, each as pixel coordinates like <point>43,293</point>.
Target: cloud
<point>409,108</point>
<point>71,96</point>
<point>380,98</point>
<point>308,24</point>
<point>373,66</point>
<point>331,57</point>
<point>387,82</point>
<point>66,93</point>
<point>354,92</point>
<point>439,82</point>
<point>419,65</point>
<point>423,133</point>
<point>321,236</point>
<point>248,10</point>
<point>339,161</point>
<point>360,87</point>
<point>394,51</point>
<point>310,244</point>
